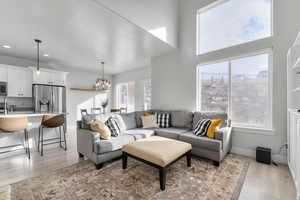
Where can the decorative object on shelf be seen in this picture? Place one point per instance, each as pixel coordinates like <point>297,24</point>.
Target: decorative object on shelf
<point>104,104</point>
<point>102,83</point>
<point>38,42</point>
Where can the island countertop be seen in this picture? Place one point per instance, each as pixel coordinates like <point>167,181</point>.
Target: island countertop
<point>30,114</point>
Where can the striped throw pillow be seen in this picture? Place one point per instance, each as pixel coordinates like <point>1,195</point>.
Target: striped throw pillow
<point>163,120</point>
<point>114,126</point>
<point>202,127</point>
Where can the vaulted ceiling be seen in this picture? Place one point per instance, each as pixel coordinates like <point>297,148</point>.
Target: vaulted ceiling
<point>75,34</point>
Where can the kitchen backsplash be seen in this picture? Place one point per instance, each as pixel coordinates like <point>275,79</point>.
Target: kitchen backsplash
<point>20,102</point>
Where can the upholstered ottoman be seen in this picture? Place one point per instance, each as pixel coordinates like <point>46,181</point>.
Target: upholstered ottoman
<point>158,152</point>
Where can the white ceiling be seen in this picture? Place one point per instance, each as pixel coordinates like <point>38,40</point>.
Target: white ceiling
<point>75,33</point>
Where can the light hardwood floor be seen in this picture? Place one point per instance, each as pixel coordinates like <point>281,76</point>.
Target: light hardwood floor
<point>263,182</point>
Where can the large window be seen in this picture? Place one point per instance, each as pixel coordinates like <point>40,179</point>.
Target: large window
<point>125,96</point>
<point>232,22</point>
<point>241,87</point>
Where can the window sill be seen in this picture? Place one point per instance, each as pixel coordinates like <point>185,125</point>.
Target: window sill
<point>258,131</point>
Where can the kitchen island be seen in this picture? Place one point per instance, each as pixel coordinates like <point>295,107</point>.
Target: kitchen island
<point>30,114</point>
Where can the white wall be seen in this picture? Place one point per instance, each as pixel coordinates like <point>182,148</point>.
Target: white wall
<point>149,15</point>
<point>77,100</point>
<point>138,77</point>
<point>174,75</point>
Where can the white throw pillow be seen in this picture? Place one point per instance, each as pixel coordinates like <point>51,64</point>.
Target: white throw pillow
<point>149,121</point>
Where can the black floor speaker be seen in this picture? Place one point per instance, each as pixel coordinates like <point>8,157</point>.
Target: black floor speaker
<point>263,155</point>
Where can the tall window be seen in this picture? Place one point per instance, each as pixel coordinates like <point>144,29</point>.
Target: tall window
<point>241,87</point>
<point>125,96</point>
<point>147,94</point>
<point>232,22</point>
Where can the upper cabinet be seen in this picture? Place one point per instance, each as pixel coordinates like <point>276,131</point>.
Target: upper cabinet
<point>20,79</point>
<point>43,77</point>
<point>19,82</point>
<point>49,77</point>
<point>59,78</point>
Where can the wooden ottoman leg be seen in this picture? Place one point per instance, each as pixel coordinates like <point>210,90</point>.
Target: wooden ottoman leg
<point>189,159</point>
<point>124,160</point>
<point>99,166</point>
<point>162,177</point>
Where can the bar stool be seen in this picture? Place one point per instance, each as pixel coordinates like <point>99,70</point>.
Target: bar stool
<point>52,121</point>
<point>15,124</point>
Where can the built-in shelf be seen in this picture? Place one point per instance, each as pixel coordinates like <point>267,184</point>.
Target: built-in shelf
<point>293,105</point>
<point>89,90</point>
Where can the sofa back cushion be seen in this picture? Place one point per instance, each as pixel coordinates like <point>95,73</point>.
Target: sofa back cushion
<point>129,121</point>
<point>181,119</point>
<point>86,120</point>
<point>210,115</point>
<point>160,111</point>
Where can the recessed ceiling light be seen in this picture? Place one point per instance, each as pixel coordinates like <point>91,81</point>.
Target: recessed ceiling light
<point>46,55</point>
<point>6,46</point>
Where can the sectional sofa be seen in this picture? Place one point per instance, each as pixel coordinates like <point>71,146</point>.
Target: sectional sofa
<point>100,151</point>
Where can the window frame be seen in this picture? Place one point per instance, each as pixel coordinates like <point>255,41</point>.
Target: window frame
<point>270,53</point>
<point>219,2</point>
<point>117,93</point>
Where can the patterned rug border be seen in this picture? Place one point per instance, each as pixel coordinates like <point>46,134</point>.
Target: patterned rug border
<point>235,195</point>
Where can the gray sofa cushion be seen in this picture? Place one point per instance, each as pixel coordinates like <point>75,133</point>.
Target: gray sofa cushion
<point>86,120</point>
<point>115,143</point>
<point>129,120</point>
<point>160,111</point>
<point>210,115</point>
<point>201,142</point>
<point>172,133</point>
<point>140,133</point>
<point>181,119</point>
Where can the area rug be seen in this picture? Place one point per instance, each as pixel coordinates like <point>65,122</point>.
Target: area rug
<point>139,181</point>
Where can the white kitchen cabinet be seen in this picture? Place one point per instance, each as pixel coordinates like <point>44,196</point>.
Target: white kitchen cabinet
<point>19,82</point>
<point>49,77</point>
<point>59,78</point>
<point>3,73</point>
<point>44,77</point>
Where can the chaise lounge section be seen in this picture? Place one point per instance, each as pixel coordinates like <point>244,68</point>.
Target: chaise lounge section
<point>100,151</point>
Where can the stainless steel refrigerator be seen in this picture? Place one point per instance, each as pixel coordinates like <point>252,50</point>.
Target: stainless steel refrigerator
<point>49,98</point>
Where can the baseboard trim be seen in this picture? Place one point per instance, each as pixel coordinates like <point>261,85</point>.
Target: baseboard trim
<point>252,153</point>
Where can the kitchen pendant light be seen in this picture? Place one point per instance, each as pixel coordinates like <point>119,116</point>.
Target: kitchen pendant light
<point>103,84</point>
<point>38,55</point>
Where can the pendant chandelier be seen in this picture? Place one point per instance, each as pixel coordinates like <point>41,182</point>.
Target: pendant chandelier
<point>102,83</point>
